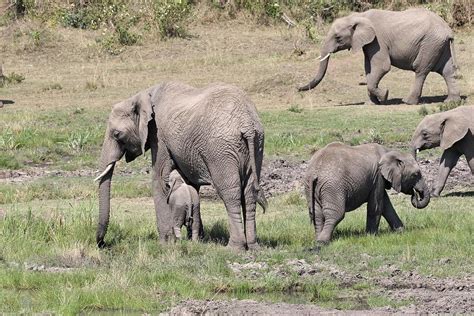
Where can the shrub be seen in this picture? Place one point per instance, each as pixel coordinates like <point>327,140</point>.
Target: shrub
<point>11,79</point>
<point>423,111</point>
<point>170,15</point>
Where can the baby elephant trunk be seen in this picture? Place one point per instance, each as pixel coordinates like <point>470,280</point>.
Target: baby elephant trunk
<point>421,194</point>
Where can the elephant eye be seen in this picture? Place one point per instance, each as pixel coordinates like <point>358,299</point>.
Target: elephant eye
<point>117,134</point>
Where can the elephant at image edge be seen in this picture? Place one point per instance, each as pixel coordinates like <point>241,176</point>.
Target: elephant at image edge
<point>211,135</point>
<point>415,39</point>
<point>183,200</point>
<point>340,178</point>
<point>452,130</point>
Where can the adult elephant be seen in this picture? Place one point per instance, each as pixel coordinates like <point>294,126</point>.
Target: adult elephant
<point>340,178</point>
<point>453,130</point>
<point>415,39</point>
<point>212,135</point>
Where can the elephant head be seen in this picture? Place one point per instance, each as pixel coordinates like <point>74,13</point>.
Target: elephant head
<point>440,129</point>
<point>402,173</point>
<point>127,133</point>
<point>351,32</point>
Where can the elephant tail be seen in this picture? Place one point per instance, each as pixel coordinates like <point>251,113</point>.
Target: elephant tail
<point>312,188</point>
<point>261,200</point>
<point>453,54</point>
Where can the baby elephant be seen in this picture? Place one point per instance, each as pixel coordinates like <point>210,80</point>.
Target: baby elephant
<point>184,203</point>
<point>340,178</point>
<point>453,130</point>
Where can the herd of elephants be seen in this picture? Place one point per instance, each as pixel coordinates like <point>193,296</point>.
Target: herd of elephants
<point>213,135</point>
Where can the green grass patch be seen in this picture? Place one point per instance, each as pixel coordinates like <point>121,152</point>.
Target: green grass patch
<point>137,274</point>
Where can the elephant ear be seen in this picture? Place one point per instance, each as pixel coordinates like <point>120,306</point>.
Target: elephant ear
<point>452,131</point>
<point>364,33</point>
<point>391,168</point>
<point>143,107</point>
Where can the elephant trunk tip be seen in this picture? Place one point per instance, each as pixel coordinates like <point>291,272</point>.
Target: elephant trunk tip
<point>420,199</point>
<point>323,65</point>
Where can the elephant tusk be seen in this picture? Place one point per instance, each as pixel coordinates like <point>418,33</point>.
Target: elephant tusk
<point>417,151</point>
<point>107,169</point>
<point>416,194</point>
<point>319,57</point>
<point>325,57</point>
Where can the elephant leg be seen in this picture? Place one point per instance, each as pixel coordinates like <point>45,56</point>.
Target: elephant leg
<point>249,212</point>
<point>376,66</point>
<point>164,220</point>
<point>390,215</point>
<point>318,219</point>
<point>448,71</point>
<point>448,160</point>
<point>374,209</point>
<point>332,217</point>
<point>228,187</point>
<point>417,88</point>
<point>196,229</point>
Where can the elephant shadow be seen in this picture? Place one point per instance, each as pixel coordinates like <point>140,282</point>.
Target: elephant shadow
<point>398,101</point>
<point>460,194</point>
<point>423,100</point>
<point>218,233</point>
<point>4,102</point>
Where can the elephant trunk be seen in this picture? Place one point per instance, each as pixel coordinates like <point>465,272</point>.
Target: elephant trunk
<point>111,153</point>
<point>104,205</point>
<point>323,66</point>
<point>421,195</point>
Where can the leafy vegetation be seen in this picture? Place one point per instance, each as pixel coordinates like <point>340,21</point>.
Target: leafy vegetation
<point>124,23</point>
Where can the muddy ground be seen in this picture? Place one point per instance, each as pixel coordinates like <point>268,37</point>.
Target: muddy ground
<point>430,295</point>
<point>278,176</point>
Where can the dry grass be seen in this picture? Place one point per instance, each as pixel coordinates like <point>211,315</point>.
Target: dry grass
<point>257,58</point>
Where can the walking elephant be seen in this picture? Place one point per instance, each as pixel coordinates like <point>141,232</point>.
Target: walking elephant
<point>453,130</point>
<point>340,178</point>
<point>185,207</point>
<point>211,135</point>
<point>415,39</point>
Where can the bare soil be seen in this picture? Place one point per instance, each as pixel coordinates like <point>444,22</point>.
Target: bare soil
<point>428,294</point>
<point>278,176</point>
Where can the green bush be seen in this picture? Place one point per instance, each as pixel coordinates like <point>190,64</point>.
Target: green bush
<point>11,79</point>
<point>170,16</point>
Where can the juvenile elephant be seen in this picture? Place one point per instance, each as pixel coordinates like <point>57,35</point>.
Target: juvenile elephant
<point>452,130</point>
<point>415,39</point>
<point>185,207</point>
<point>211,135</point>
<point>340,178</point>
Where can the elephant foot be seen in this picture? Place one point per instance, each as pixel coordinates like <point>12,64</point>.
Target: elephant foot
<point>400,229</point>
<point>384,95</point>
<point>452,98</point>
<point>239,246</point>
<point>319,245</point>
<point>254,247</point>
<point>435,194</point>
<point>411,100</point>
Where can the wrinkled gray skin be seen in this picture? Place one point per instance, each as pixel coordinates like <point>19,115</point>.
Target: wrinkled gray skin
<point>211,135</point>
<point>183,200</point>
<point>452,130</point>
<point>340,178</point>
<point>415,39</point>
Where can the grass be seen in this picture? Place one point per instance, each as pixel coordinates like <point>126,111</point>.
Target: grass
<point>137,274</point>
<point>56,120</point>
